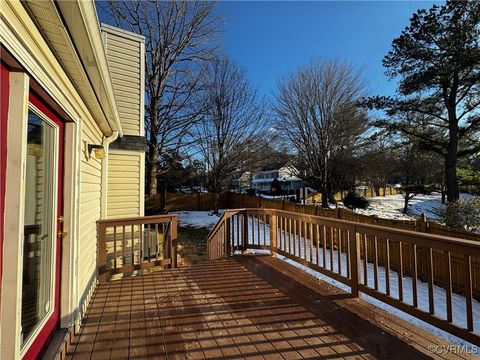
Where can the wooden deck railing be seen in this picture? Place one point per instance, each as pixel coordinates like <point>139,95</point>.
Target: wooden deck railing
<point>130,244</point>
<point>381,262</point>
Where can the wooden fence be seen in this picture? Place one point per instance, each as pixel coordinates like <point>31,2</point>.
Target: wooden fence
<point>366,192</point>
<point>365,257</point>
<point>205,201</point>
<point>185,202</point>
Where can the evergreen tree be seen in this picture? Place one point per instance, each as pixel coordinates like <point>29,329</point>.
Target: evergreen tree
<point>437,58</point>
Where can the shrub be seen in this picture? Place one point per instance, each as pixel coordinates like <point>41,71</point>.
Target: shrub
<point>463,214</point>
<point>355,201</point>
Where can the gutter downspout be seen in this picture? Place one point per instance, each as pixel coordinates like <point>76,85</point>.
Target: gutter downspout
<point>106,142</point>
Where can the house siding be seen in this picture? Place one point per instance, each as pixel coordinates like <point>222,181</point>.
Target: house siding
<point>125,183</point>
<point>90,210</point>
<point>47,64</point>
<point>125,56</point>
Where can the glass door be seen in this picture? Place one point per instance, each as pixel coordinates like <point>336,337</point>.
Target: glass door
<point>42,230</point>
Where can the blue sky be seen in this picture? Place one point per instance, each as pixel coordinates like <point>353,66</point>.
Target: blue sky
<point>270,39</point>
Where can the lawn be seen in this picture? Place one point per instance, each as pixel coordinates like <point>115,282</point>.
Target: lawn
<point>192,245</point>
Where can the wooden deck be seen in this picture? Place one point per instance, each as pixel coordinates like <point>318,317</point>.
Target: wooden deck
<point>245,307</point>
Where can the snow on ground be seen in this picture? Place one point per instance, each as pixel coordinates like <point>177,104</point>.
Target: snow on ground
<point>391,207</point>
<point>272,197</point>
<point>197,219</point>
<point>206,219</point>
<point>458,301</point>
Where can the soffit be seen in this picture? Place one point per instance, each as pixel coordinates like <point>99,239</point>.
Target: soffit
<point>50,23</point>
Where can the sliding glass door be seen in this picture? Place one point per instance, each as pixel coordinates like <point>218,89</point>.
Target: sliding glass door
<point>42,230</point>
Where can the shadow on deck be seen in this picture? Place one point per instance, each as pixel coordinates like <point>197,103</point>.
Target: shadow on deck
<point>243,307</point>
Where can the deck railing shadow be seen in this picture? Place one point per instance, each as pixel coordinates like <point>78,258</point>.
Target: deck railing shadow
<point>266,319</point>
<point>380,262</point>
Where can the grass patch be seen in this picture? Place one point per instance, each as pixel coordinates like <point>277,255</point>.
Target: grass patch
<point>192,245</point>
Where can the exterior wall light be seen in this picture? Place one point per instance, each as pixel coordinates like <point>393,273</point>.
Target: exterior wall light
<point>98,149</point>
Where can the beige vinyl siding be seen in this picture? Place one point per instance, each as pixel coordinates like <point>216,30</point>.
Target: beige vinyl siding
<point>125,183</point>
<point>125,61</point>
<point>90,208</point>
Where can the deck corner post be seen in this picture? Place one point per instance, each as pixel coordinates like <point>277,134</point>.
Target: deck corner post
<point>273,233</point>
<point>102,253</point>
<point>173,239</point>
<point>422,224</point>
<point>354,260</point>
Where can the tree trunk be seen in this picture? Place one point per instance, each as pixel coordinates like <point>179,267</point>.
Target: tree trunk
<point>215,202</point>
<point>153,162</point>
<point>216,196</point>
<point>153,159</point>
<point>451,180</point>
<point>324,199</point>
<point>405,204</point>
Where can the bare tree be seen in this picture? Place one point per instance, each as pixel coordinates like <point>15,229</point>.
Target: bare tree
<point>378,162</point>
<point>180,36</point>
<point>229,132</point>
<point>317,111</point>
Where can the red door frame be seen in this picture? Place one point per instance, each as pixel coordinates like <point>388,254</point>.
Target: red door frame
<point>41,341</point>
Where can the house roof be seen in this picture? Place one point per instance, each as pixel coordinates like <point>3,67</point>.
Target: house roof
<point>273,166</point>
<point>72,32</point>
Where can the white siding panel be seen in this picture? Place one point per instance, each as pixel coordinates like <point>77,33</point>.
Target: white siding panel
<point>90,208</point>
<point>125,61</point>
<point>124,183</point>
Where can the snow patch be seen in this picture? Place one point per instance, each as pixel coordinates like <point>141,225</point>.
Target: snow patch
<point>198,219</point>
<point>391,207</point>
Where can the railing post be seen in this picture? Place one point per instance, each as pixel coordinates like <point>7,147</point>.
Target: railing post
<point>354,244</point>
<point>245,230</point>
<point>227,237</point>
<point>173,239</point>
<point>422,227</point>
<point>102,253</point>
<point>273,233</point>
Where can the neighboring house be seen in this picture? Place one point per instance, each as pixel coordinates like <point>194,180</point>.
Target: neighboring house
<point>241,180</point>
<point>72,152</point>
<point>285,174</point>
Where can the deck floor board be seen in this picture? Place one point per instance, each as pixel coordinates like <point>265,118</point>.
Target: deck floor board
<point>250,307</point>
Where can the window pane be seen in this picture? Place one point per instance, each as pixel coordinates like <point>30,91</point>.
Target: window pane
<point>39,232</point>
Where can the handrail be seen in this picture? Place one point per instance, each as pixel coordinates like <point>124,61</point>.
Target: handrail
<point>132,244</point>
<point>139,219</point>
<point>368,258</point>
<point>221,246</point>
<point>217,226</point>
